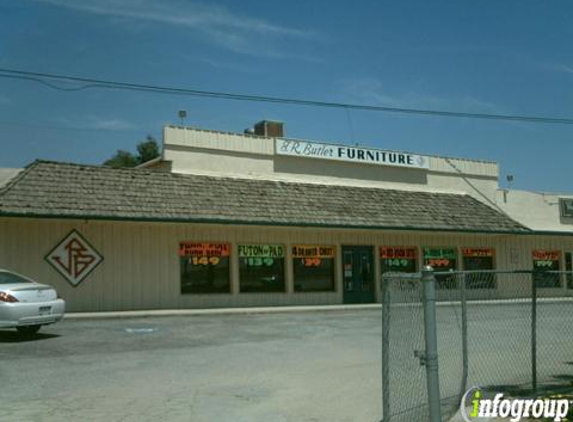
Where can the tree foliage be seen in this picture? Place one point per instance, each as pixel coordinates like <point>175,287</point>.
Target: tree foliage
<point>146,150</point>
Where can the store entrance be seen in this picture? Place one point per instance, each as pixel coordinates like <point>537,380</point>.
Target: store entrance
<point>358,274</point>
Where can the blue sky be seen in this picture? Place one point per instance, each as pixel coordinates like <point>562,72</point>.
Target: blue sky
<point>506,57</point>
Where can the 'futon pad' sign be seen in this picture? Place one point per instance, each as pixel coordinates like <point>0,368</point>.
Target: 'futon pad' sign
<point>261,251</point>
<point>296,148</point>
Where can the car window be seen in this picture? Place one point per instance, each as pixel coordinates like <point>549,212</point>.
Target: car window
<point>10,278</point>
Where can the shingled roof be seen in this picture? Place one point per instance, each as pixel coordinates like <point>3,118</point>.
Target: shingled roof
<point>49,189</point>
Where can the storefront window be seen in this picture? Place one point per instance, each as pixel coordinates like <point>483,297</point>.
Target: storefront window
<point>569,269</point>
<point>479,259</point>
<point>313,268</point>
<point>442,259</point>
<point>204,267</point>
<point>544,261</point>
<point>261,268</point>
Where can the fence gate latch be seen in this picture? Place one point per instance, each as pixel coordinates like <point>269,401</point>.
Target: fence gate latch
<point>421,355</point>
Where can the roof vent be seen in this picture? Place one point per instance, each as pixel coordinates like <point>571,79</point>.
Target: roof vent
<point>270,128</point>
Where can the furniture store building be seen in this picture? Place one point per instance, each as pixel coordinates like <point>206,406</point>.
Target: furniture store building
<point>258,219</point>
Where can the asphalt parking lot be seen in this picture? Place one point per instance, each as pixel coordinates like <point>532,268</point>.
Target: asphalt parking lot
<point>313,366</point>
<point>296,366</point>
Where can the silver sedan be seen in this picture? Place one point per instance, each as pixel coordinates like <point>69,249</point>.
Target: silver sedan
<point>27,305</point>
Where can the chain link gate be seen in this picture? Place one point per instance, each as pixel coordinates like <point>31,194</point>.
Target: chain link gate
<point>509,331</point>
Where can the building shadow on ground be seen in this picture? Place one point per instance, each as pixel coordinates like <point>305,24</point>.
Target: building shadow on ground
<point>12,336</point>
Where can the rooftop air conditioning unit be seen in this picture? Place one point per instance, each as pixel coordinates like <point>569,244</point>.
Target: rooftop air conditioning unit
<point>566,207</point>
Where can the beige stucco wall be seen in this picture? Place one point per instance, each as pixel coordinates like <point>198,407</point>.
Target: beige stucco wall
<point>141,265</point>
<point>7,174</point>
<point>199,151</point>
<point>539,211</point>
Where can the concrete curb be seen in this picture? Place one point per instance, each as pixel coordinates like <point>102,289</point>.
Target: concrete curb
<point>282,309</point>
<point>217,311</point>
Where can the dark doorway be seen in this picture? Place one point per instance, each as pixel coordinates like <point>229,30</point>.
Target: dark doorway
<point>358,274</point>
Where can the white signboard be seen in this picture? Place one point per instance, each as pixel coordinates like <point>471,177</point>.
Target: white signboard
<point>296,148</point>
<point>74,258</point>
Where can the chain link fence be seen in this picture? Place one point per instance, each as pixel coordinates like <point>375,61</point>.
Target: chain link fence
<point>504,331</point>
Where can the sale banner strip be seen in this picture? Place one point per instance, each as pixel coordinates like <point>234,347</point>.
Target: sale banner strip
<point>312,251</point>
<point>546,255</point>
<point>477,252</point>
<point>204,249</point>
<point>397,253</point>
<point>261,251</point>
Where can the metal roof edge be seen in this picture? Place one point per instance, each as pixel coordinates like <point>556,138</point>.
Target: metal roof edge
<point>258,224</point>
<point>548,233</point>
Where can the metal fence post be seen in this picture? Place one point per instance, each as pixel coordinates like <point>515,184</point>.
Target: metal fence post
<point>385,350</point>
<point>534,279</point>
<point>465,362</point>
<point>431,337</point>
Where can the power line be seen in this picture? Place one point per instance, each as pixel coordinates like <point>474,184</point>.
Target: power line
<point>98,83</point>
<point>49,85</point>
<point>27,125</point>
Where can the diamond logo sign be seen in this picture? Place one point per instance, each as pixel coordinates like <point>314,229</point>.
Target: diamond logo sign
<point>74,258</point>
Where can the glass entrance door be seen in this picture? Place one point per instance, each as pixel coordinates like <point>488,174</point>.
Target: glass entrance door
<point>358,274</point>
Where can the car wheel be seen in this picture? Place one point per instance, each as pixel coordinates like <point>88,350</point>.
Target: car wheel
<point>29,329</point>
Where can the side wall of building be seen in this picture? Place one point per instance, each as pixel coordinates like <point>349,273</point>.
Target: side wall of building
<point>535,209</point>
<point>141,268</point>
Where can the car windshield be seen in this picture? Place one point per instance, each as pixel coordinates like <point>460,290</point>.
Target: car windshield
<point>10,278</point>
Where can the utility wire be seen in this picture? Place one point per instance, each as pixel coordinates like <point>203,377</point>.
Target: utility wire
<point>98,83</point>
<point>48,84</point>
<point>27,125</point>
